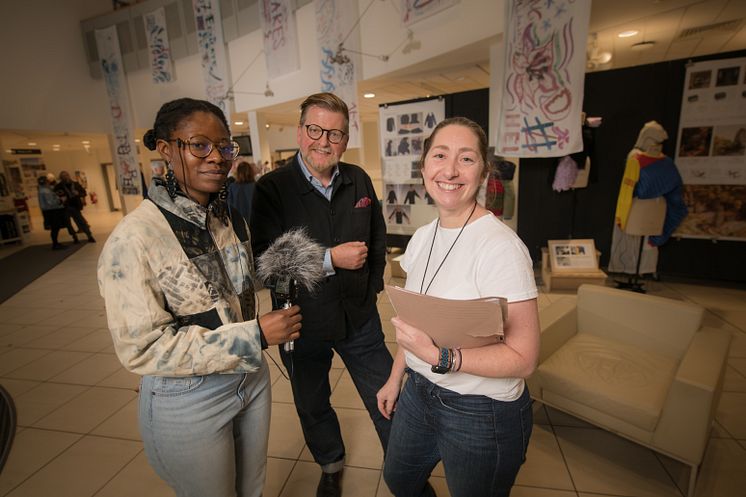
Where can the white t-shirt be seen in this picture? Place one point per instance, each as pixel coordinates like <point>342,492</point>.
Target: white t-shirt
<point>488,260</point>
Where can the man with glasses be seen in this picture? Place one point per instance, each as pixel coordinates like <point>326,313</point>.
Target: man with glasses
<point>338,206</point>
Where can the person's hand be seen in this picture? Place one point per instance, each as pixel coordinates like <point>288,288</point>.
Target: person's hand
<point>281,326</point>
<point>350,255</point>
<point>388,395</point>
<point>415,341</point>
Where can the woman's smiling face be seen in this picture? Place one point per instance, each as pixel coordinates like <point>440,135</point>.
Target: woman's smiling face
<point>453,168</point>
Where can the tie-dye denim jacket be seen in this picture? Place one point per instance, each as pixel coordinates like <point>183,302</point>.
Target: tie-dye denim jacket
<point>177,281</point>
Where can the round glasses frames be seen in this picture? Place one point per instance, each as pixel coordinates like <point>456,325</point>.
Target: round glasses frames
<point>315,132</point>
<point>201,146</point>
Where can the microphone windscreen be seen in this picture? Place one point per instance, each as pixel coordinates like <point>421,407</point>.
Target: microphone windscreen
<point>292,255</point>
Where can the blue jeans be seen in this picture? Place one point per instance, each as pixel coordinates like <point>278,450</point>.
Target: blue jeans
<point>208,435</point>
<point>481,441</point>
<point>369,363</point>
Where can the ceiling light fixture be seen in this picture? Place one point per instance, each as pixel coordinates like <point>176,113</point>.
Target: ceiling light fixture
<point>31,144</point>
<point>268,91</point>
<point>412,44</point>
<point>643,45</point>
<point>86,142</point>
<point>369,95</point>
<point>628,33</point>
<point>238,123</point>
<point>596,57</point>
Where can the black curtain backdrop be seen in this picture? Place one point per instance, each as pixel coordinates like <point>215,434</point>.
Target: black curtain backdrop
<point>626,99</point>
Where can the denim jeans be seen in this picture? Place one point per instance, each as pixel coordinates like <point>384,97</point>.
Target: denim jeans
<point>481,441</point>
<point>208,435</point>
<point>369,363</point>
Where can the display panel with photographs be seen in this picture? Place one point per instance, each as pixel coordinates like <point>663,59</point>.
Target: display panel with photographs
<point>573,255</point>
<point>404,128</point>
<point>711,150</point>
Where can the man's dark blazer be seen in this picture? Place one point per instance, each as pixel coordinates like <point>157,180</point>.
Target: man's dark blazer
<point>285,199</point>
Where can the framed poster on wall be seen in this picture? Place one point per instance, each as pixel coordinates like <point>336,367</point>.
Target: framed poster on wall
<point>404,127</point>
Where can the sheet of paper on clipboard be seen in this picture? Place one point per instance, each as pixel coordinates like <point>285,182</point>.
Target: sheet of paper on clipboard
<point>452,323</point>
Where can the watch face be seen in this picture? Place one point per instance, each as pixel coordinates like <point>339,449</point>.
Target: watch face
<point>439,369</point>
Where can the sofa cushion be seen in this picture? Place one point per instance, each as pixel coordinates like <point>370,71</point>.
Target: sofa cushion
<point>615,378</point>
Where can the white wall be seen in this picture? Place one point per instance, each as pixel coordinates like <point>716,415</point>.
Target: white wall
<point>46,83</point>
<point>381,32</point>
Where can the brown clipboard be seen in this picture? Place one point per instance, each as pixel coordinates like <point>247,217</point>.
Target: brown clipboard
<point>452,323</point>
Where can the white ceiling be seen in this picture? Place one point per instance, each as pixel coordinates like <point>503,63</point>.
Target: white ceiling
<point>660,21</point>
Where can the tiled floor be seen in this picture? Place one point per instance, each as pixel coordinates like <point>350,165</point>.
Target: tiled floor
<point>78,437</point>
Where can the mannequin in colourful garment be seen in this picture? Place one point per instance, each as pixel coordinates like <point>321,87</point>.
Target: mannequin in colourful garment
<point>648,174</point>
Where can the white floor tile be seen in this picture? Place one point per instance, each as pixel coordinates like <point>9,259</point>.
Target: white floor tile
<point>49,365</point>
<point>544,466</point>
<point>600,462</point>
<point>86,411</point>
<point>731,413</point>
<point>43,400</point>
<point>81,470</point>
<point>136,479</point>
<point>31,450</point>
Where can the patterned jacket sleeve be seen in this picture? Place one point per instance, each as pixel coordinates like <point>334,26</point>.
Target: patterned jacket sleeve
<point>144,333</point>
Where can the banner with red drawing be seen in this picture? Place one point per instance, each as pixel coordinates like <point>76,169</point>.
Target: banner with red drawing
<point>543,77</point>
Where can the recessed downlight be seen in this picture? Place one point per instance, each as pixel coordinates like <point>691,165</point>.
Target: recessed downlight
<point>628,33</point>
<point>369,95</point>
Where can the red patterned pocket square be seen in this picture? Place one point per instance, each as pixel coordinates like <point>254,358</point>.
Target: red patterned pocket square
<point>363,202</point>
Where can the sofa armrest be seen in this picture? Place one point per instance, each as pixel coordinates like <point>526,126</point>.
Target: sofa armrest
<point>686,418</point>
<point>558,324</point>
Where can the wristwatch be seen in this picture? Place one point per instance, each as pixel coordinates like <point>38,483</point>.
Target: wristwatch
<point>445,361</point>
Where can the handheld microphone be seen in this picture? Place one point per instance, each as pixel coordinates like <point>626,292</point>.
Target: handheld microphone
<point>291,262</point>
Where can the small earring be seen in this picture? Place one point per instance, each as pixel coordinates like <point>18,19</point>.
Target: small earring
<point>171,184</point>
<point>223,193</point>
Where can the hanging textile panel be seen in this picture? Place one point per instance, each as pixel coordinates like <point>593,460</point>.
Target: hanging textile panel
<point>280,37</point>
<point>415,10</point>
<point>212,51</point>
<point>159,51</point>
<point>125,157</point>
<point>543,77</point>
<point>335,21</point>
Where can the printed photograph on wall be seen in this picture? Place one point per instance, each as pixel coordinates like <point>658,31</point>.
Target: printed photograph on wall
<point>700,79</point>
<point>398,214</point>
<point>714,211</point>
<point>695,142</point>
<point>728,76</point>
<point>729,140</point>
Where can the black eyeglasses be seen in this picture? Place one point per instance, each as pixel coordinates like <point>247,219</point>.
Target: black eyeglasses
<point>315,132</point>
<point>201,146</point>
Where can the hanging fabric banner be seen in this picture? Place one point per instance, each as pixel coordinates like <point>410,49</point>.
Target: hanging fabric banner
<point>280,37</point>
<point>125,158</point>
<point>212,51</point>
<point>336,19</point>
<point>543,78</point>
<point>159,51</point>
<point>415,10</point>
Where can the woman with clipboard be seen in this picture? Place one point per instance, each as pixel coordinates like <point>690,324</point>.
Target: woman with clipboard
<point>468,407</point>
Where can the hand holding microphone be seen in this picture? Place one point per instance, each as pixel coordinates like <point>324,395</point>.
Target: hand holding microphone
<point>291,262</point>
<point>281,326</point>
